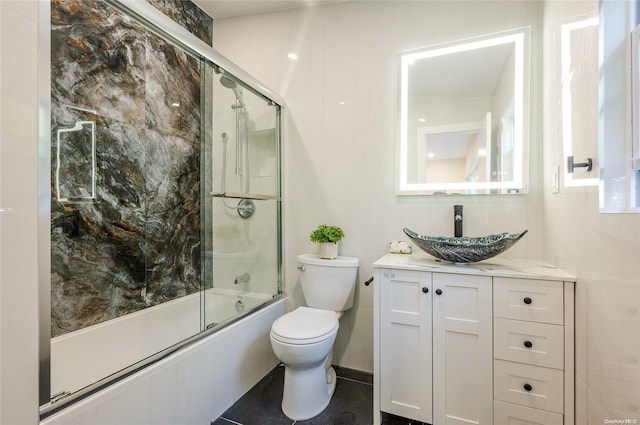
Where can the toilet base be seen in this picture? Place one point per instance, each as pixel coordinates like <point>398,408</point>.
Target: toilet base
<point>307,391</point>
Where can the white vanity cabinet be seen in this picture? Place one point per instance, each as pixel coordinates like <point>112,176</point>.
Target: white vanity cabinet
<point>533,350</point>
<point>484,343</point>
<point>462,349</point>
<point>405,330</point>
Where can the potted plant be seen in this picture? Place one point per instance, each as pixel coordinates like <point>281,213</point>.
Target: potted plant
<point>327,237</point>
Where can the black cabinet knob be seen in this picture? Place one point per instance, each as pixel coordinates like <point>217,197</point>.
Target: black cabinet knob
<point>527,387</point>
<point>528,344</point>
<point>439,291</point>
<point>425,289</point>
<point>527,300</point>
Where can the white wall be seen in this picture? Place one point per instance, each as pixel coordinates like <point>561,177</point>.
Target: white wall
<point>18,212</point>
<point>339,131</point>
<point>601,249</point>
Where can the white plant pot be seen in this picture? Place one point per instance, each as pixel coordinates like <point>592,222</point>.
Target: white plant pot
<point>328,250</point>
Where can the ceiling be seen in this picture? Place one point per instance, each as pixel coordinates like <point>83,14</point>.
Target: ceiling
<point>229,8</point>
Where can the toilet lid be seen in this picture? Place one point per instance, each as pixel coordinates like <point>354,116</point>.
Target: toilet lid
<point>305,325</point>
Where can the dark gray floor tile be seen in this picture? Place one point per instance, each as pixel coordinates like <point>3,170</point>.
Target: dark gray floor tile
<point>351,404</point>
<point>261,404</point>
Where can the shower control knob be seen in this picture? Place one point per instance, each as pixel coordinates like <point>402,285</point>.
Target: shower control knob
<point>425,289</point>
<point>527,300</point>
<point>528,344</point>
<point>439,291</point>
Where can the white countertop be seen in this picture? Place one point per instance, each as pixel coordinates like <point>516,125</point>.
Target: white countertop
<point>496,266</point>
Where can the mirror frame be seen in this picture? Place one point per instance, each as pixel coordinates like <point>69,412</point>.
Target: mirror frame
<point>521,37</point>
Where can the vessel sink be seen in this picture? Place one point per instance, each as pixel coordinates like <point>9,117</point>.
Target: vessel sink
<point>465,249</point>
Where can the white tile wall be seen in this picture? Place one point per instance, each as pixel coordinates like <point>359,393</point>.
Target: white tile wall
<point>339,158</point>
<point>601,249</point>
<point>18,212</point>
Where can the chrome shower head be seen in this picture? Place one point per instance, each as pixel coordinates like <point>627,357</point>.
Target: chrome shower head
<point>230,84</point>
<point>227,82</point>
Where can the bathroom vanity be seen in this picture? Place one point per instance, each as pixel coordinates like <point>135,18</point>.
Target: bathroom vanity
<point>478,343</point>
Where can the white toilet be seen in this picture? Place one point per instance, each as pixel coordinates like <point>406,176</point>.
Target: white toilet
<point>303,339</point>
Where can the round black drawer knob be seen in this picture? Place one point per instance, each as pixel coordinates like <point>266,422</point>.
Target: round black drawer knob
<point>439,291</point>
<point>527,387</point>
<point>527,300</point>
<point>528,344</point>
<point>425,289</point>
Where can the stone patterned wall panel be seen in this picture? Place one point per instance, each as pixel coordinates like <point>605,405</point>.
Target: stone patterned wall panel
<point>189,15</point>
<point>173,90</point>
<point>98,247</point>
<point>97,60</point>
<point>173,217</point>
<point>137,243</point>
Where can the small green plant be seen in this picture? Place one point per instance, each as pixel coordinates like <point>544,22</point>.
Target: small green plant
<point>324,234</point>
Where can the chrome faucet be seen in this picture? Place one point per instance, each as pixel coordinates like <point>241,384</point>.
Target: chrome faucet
<point>457,221</point>
<point>243,278</point>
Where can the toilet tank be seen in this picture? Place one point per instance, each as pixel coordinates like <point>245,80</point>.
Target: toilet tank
<point>328,284</point>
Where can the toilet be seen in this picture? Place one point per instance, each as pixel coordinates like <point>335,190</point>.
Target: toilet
<point>303,339</point>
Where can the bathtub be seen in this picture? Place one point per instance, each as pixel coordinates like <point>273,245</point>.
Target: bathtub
<point>86,356</point>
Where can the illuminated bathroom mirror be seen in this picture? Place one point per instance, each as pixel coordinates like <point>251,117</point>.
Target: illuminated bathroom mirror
<point>463,116</point>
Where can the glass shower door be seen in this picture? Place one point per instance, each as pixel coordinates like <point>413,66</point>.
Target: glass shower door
<point>125,193</point>
<point>242,251</point>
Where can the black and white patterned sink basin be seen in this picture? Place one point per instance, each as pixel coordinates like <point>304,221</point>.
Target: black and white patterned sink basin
<point>465,249</point>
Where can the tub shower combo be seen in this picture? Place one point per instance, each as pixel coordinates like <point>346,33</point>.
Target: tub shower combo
<point>164,193</point>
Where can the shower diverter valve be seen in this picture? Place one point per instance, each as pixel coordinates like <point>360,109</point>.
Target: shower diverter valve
<point>246,208</point>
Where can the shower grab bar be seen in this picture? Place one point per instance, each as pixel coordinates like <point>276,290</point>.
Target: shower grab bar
<point>243,195</point>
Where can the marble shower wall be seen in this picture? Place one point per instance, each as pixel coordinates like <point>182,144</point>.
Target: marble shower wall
<point>189,15</point>
<point>135,241</point>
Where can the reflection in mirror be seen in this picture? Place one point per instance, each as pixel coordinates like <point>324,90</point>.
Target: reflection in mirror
<point>578,64</point>
<point>462,115</point>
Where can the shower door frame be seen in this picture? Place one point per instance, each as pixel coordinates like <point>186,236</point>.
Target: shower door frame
<point>160,24</point>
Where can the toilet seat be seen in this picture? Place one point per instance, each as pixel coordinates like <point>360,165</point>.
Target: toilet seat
<point>305,325</point>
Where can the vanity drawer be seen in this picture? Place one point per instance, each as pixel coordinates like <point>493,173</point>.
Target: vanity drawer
<point>512,414</point>
<point>533,386</point>
<point>538,344</point>
<point>526,299</point>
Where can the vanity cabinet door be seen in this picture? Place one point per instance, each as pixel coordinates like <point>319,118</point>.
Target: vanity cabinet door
<point>462,349</point>
<point>405,343</point>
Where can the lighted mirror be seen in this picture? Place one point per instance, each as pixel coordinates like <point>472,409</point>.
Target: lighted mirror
<point>577,67</point>
<point>463,116</point>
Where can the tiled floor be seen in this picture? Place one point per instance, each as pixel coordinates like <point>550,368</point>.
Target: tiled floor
<point>351,404</point>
